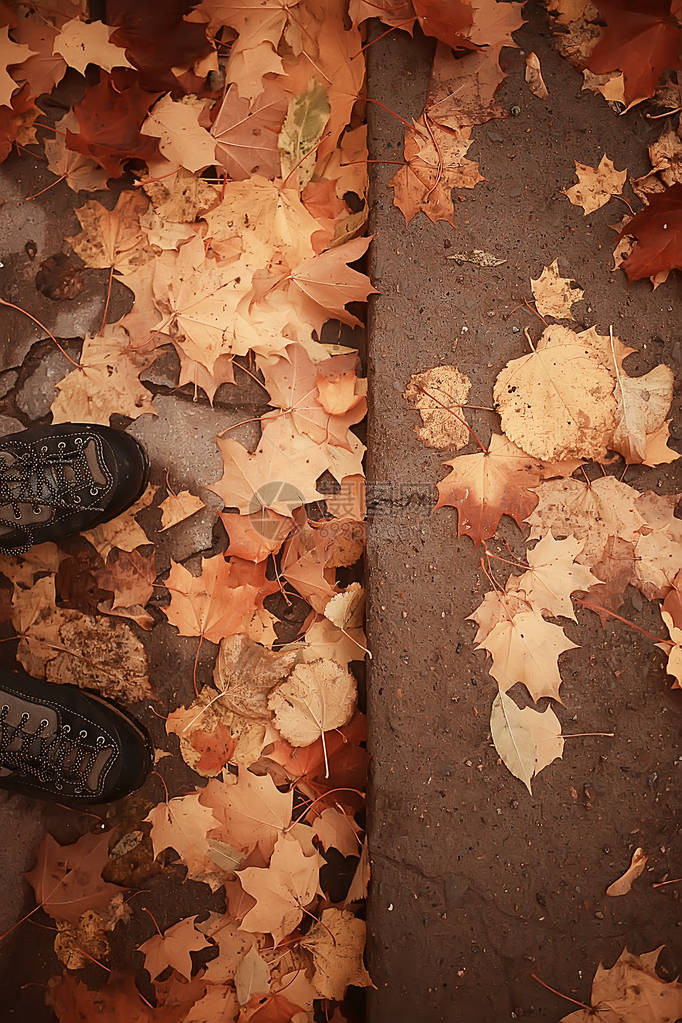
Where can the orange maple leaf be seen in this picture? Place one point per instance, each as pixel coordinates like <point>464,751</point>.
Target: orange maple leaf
<point>485,486</point>
<point>209,605</point>
<point>172,948</point>
<point>321,287</point>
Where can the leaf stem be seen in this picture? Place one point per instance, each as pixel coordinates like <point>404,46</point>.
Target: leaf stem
<point>625,621</point>
<point>560,994</point>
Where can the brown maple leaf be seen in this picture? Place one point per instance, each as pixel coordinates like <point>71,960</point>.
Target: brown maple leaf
<point>81,43</point>
<point>252,813</point>
<point>178,507</point>
<point>449,21</point>
<point>321,287</point>
<point>76,169</point>
<point>43,69</point>
<point>337,945</point>
<point>182,824</point>
<point>140,29</point>
<point>106,383</point>
<point>10,53</point>
<point>346,759</point>
<point>130,579</point>
<point>525,649</point>
<point>435,164</point>
<point>67,880</point>
<point>17,122</point>
<point>182,138</point>
<point>215,749</point>
<point>113,238</point>
<point>246,132</point>
<point>632,991</point>
<point>324,398</point>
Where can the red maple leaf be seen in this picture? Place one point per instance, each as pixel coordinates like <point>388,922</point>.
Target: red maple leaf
<point>110,123</point>
<point>658,230</point>
<point>642,39</point>
<point>157,39</point>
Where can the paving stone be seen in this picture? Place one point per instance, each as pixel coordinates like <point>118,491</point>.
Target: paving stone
<point>31,232</point>
<point>164,370</point>
<point>9,425</point>
<point>7,382</point>
<point>38,391</point>
<point>182,439</point>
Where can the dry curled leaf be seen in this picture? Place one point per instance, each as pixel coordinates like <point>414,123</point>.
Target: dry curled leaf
<point>438,395</point>
<point>282,890</point>
<point>557,402</point>
<point>624,883</point>
<point>534,79</point>
<point>246,673</point>
<point>554,295</point>
<point>595,185</point>
<point>317,696</point>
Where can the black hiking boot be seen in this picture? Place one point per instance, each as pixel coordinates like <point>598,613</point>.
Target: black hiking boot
<point>59,480</point>
<point>60,743</point>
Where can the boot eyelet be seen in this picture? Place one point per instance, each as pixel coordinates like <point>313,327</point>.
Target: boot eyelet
<point>62,445</point>
<point>76,499</point>
<point>78,441</point>
<point>82,734</point>
<point>66,729</point>
<point>78,790</point>
<point>43,450</point>
<point>36,509</point>
<point>58,787</point>
<point>44,723</point>
<point>4,708</point>
<point>94,491</point>
<point>17,515</point>
<point>100,740</point>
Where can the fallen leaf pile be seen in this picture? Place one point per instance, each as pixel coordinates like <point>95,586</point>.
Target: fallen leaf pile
<point>566,403</point>
<point>227,146</point>
<point>236,146</point>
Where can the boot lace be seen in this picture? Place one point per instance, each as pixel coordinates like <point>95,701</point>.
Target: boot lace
<point>37,477</point>
<point>55,760</point>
